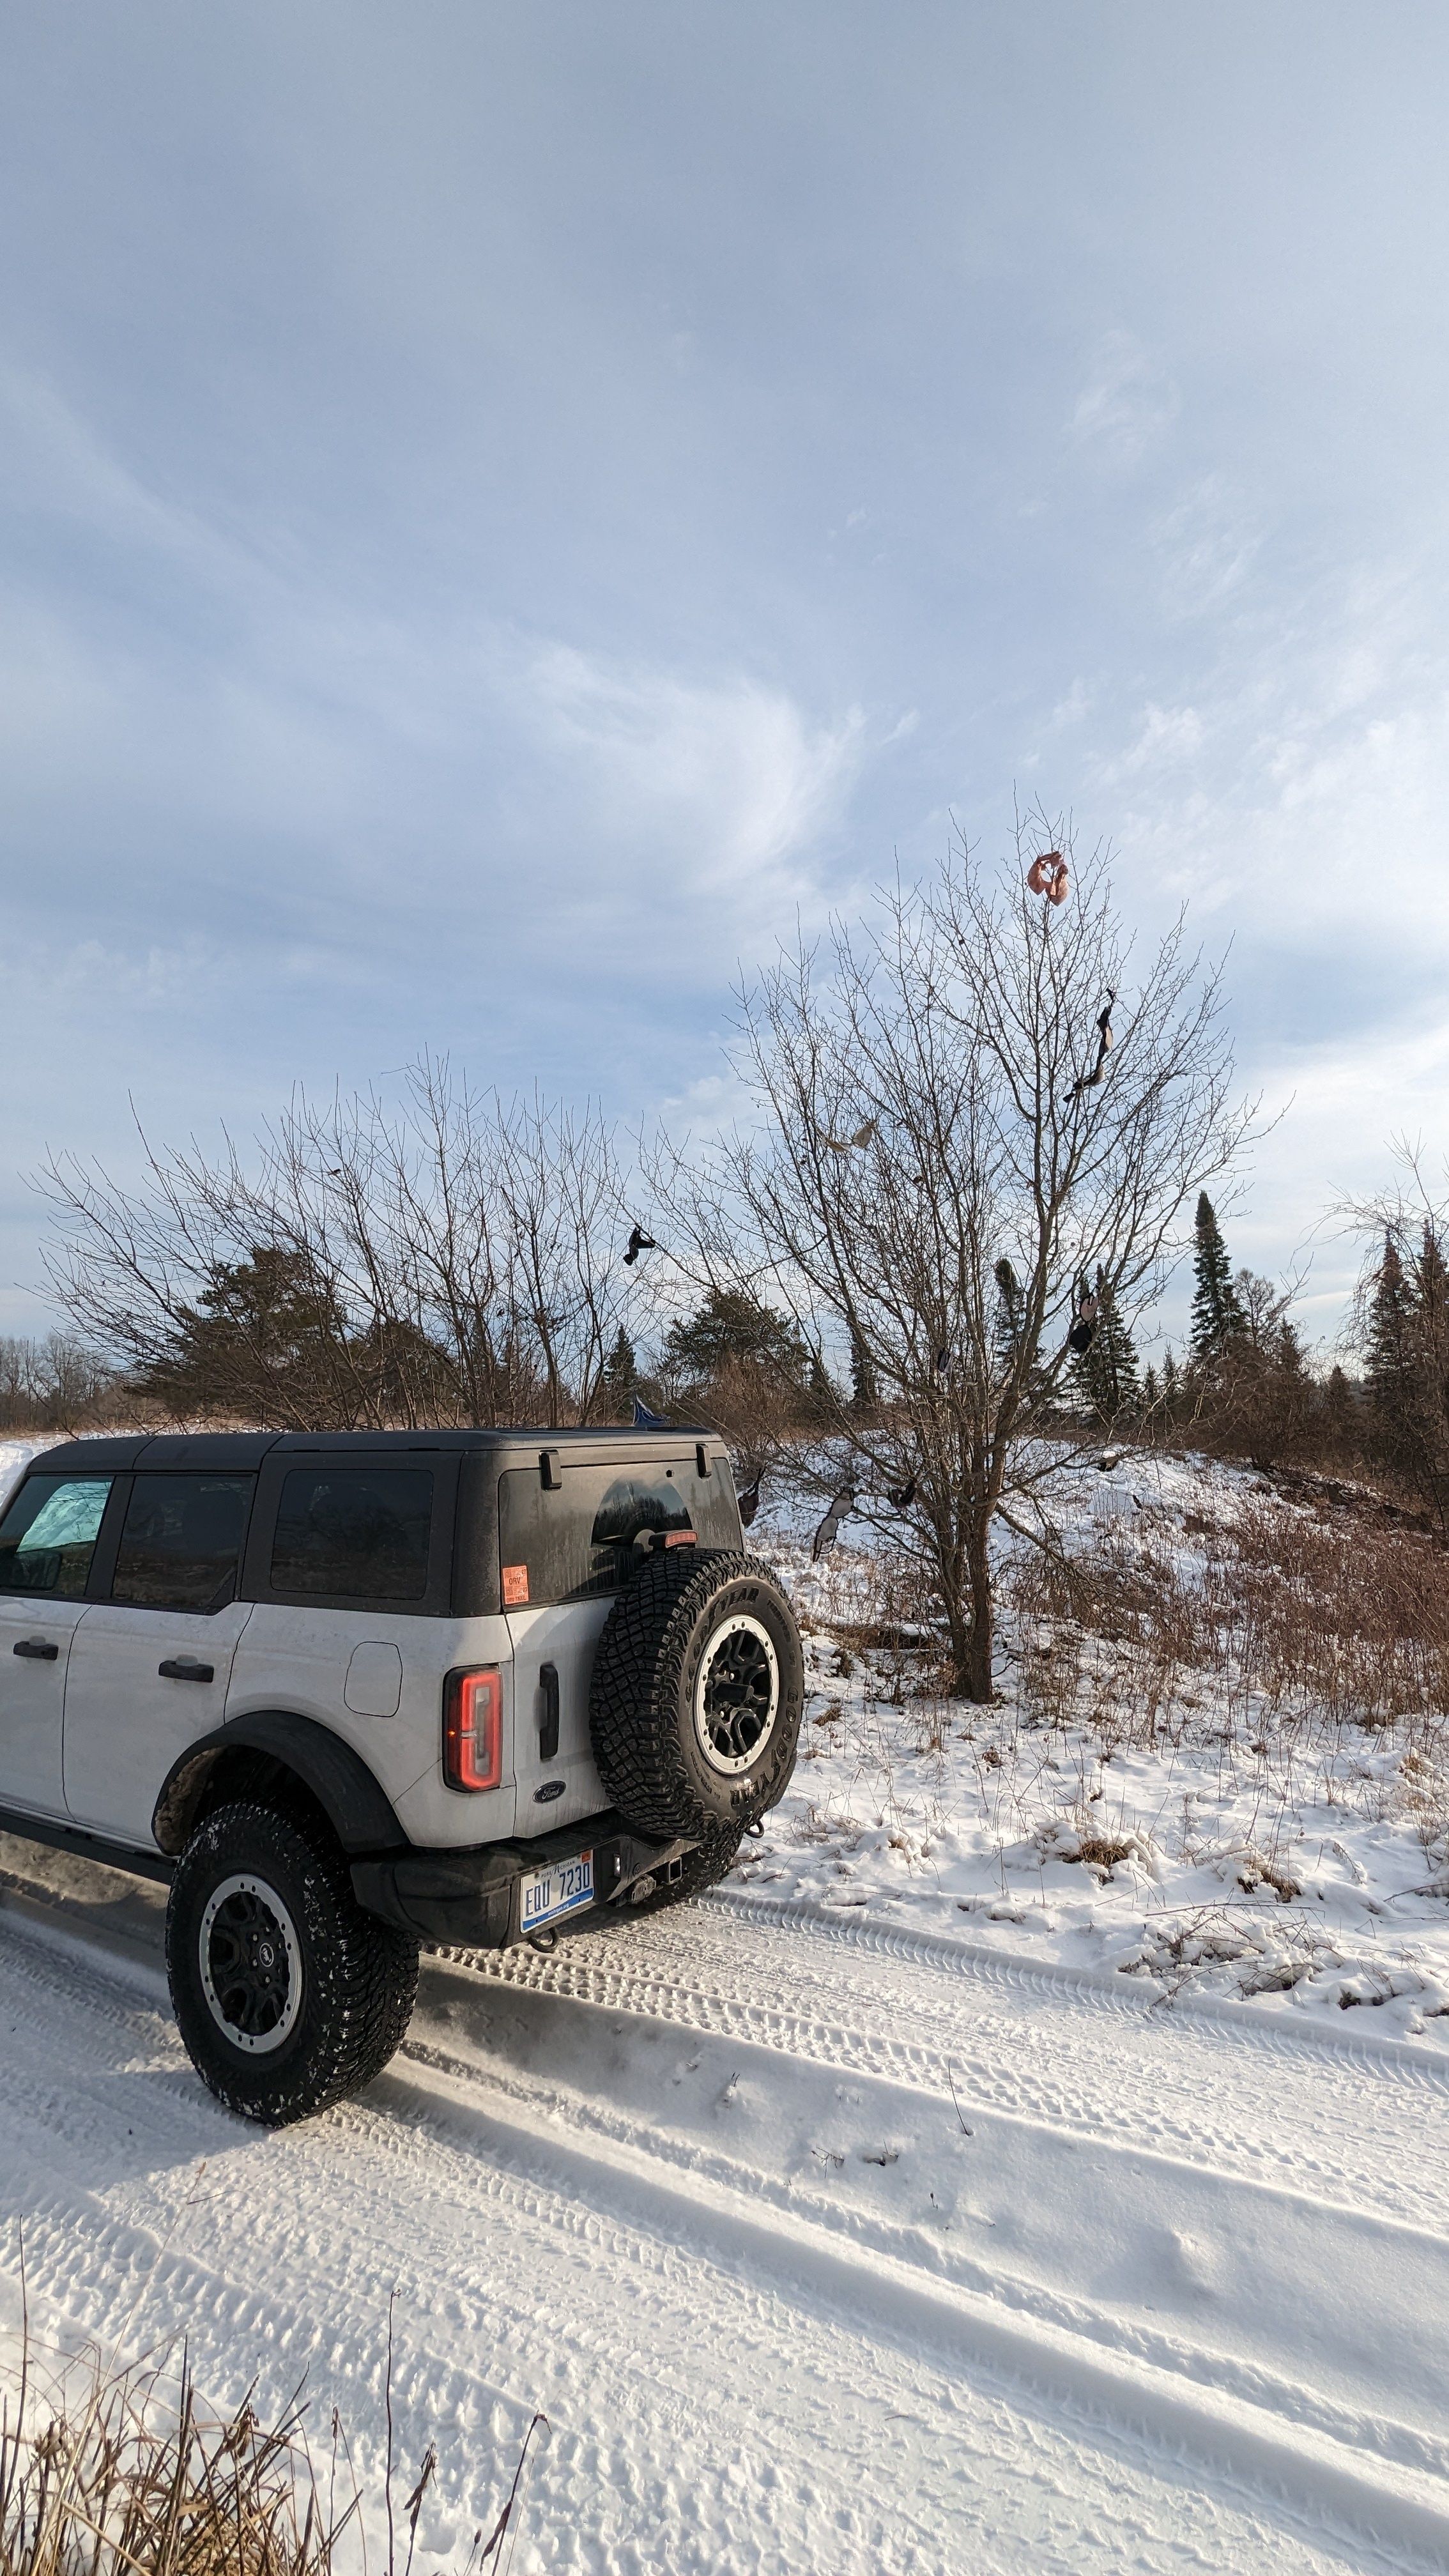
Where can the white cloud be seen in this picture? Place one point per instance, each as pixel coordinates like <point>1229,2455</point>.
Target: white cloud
<point>1125,403</point>
<point>729,785</point>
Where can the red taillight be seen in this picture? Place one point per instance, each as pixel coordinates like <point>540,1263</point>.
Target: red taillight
<point>473,1730</point>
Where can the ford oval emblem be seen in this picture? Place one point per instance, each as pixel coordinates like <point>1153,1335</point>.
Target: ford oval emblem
<point>550,1789</point>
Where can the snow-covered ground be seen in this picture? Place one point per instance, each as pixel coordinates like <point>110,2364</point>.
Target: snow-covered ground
<point>913,2204</point>
<point>1299,1865</point>
<point>820,2246</point>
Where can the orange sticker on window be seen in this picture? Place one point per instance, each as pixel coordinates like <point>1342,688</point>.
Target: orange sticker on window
<point>515,1586</point>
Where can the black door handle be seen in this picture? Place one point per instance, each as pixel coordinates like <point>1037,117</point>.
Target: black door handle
<point>40,1649</point>
<point>173,1670</point>
<point>548,1723</point>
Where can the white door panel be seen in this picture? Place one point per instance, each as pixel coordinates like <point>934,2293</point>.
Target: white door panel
<point>564,1636</point>
<point>32,1694</point>
<point>126,1721</point>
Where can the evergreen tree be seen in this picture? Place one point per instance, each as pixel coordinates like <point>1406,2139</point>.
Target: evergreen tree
<point>1171,1384</point>
<point>864,1393</point>
<point>621,1375</point>
<point>1010,1316</point>
<point>1341,1419</point>
<point>730,1327</point>
<point>1217,1315</point>
<point>1390,1359</point>
<point>1106,1372</point>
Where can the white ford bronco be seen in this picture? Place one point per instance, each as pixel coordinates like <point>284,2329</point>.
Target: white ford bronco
<point>349,1692</point>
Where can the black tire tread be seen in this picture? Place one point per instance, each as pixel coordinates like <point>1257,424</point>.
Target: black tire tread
<point>637,1684</point>
<point>367,1973</point>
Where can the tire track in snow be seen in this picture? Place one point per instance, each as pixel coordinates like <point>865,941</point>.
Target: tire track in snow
<point>795,2458</point>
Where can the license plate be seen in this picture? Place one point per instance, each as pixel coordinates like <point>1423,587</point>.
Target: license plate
<point>561,1889</point>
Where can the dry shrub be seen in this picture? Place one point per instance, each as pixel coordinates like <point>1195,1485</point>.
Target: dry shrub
<point>1343,1620</point>
<point>103,2490</point>
<point>109,2477</point>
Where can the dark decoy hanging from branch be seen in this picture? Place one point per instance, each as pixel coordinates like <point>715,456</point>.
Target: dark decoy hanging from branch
<point>1090,1080</point>
<point>639,1242</point>
<point>901,1496</point>
<point>1084,1322</point>
<point>842,1504</point>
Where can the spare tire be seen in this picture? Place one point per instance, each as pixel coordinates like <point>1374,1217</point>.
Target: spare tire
<point>698,1692</point>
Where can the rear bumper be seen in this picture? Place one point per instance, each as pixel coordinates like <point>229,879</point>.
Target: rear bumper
<point>469,1900</point>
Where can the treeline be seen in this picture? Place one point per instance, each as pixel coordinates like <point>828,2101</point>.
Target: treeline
<point>54,1384</point>
<point>1244,1386</point>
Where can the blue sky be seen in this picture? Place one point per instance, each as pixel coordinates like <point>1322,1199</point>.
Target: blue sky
<point>504,507</point>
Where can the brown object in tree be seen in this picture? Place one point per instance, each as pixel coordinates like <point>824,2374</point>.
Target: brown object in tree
<point>1049,875</point>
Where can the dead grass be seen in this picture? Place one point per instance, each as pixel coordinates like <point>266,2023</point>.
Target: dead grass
<point>123,2472</point>
<point>1291,1612</point>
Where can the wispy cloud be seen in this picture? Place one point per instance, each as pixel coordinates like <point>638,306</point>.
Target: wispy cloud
<point>1126,402</point>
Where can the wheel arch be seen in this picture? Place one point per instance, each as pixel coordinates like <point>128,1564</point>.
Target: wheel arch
<point>263,1752</point>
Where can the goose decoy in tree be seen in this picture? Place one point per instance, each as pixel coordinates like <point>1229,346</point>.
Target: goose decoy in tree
<point>1084,1324</point>
<point>825,1537</point>
<point>639,1242</point>
<point>1090,1080</point>
<point>846,1144</point>
<point>902,1496</point>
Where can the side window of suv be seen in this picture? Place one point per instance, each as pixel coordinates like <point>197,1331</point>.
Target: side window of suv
<point>354,1533</point>
<point>181,1543</point>
<point>48,1535</point>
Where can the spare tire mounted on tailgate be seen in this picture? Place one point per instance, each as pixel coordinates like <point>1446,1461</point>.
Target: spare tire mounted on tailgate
<point>698,1690</point>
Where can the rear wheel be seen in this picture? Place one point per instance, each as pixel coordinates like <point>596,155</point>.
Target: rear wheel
<point>287,1995</point>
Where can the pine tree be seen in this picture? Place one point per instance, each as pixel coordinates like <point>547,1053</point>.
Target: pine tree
<point>1106,1372</point>
<point>1010,1316</point>
<point>1341,1419</point>
<point>1217,1316</point>
<point>1390,1359</point>
<point>621,1374</point>
<point>864,1393</point>
<point>1171,1381</point>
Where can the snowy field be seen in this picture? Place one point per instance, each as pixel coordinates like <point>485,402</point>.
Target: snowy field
<point>928,2199</point>
<point>1244,1853</point>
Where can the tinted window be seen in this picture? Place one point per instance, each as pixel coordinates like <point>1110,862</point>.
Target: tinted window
<point>583,1538</point>
<point>361,1533</point>
<point>182,1541</point>
<point>48,1536</point>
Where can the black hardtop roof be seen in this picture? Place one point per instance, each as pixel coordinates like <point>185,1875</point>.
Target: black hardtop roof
<point>245,1449</point>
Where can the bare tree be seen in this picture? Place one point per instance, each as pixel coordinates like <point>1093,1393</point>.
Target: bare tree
<point>449,1259</point>
<point>926,1113</point>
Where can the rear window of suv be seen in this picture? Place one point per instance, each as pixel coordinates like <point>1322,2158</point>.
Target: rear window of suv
<point>356,1533</point>
<point>587,1536</point>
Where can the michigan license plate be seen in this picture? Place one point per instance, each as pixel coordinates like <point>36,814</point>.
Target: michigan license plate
<point>547,1893</point>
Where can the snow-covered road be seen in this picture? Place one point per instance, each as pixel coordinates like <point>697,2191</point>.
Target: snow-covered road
<point>822,2246</point>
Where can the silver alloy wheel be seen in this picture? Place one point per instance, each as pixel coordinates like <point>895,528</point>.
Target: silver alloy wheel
<point>737,1694</point>
<point>251,1964</point>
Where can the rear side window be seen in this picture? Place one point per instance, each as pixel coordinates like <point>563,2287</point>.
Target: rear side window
<point>358,1533</point>
<point>181,1542</point>
<point>588,1535</point>
<point>48,1535</point>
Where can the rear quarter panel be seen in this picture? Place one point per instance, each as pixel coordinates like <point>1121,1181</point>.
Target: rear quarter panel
<point>297,1659</point>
